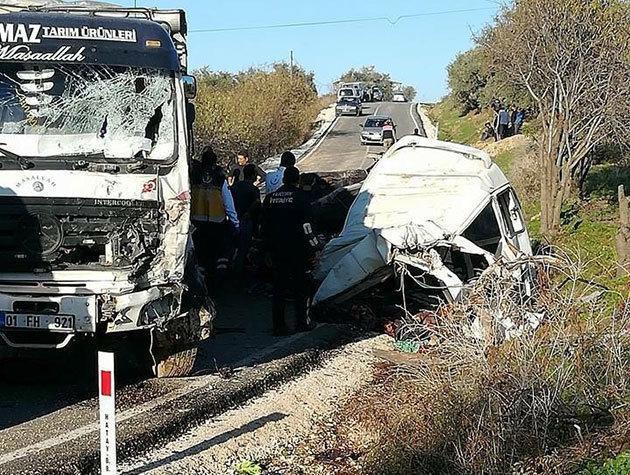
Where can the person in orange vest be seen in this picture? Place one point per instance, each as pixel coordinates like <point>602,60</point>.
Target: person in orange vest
<point>212,213</point>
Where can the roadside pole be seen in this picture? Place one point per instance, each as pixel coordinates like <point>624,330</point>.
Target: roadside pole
<point>107,407</point>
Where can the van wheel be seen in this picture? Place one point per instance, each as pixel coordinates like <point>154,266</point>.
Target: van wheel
<point>177,365</point>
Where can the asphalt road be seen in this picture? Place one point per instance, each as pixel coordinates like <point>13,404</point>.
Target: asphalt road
<point>341,148</point>
<point>48,411</point>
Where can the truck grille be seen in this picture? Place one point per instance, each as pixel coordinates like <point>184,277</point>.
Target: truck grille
<point>51,233</point>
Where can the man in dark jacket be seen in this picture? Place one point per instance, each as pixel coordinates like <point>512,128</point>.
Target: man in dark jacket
<point>285,214</point>
<point>236,172</point>
<point>502,122</point>
<point>247,203</point>
<point>518,120</point>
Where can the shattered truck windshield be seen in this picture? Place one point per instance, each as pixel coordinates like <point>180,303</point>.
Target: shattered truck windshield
<point>80,111</point>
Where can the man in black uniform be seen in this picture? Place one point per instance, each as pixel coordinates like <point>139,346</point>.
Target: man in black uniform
<point>285,212</point>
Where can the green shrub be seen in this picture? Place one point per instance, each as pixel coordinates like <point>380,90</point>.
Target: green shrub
<point>602,180</point>
<point>467,76</point>
<point>262,111</point>
<point>618,466</point>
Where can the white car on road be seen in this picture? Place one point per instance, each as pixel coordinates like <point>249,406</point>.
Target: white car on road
<point>399,97</point>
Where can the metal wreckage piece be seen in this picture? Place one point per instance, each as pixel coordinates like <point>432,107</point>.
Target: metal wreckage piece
<point>430,219</point>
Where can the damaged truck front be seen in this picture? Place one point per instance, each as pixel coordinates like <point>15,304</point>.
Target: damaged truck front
<point>94,190</point>
<point>430,218</point>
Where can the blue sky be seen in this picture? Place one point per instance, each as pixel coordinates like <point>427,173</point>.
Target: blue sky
<point>415,51</point>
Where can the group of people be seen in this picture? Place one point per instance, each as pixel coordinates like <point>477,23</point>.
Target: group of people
<point>227,213</point>
<point>508,121</point>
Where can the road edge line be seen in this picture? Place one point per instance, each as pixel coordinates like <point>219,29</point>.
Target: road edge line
<point>411,113</point>
<point>315,146</point>
<point>280,372</point>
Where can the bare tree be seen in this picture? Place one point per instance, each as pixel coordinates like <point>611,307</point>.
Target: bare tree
<point>623,236</point>
<point>573,58</point>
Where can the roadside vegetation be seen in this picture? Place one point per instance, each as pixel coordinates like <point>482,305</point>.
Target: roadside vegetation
<point>554,400</point>
<point>573,153</point>
<point>263,111</point>
<point>551,401</point>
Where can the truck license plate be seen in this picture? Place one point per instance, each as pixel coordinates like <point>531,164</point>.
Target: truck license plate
<point>53,323</point>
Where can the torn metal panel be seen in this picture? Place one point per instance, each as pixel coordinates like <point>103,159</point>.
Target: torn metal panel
<point>430,263</point>
<point>356,269</point>
<point>413,210</point>
<point>127,309</point>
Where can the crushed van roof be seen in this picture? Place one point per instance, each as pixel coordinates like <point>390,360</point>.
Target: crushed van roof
<point>424,180</point>
<point>422,190</point>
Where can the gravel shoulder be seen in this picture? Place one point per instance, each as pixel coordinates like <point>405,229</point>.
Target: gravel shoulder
<point>267,426</point>
<point>158,418</point>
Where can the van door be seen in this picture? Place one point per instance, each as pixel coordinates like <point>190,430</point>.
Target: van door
<point>512,219</point>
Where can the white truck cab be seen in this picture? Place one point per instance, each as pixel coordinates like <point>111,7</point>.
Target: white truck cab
<point>95,141</point>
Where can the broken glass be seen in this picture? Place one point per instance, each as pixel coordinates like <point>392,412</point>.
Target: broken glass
<point>484,231</point>
<point>79,110</point>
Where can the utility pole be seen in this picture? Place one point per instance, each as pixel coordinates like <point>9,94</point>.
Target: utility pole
<point>291,62</point>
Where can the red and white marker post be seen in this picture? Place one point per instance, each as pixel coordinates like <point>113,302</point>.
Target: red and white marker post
<point>107,408</point>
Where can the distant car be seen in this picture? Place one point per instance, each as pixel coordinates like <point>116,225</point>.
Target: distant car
<point>399,97</point>
<point>348,92</point>
<point>357,87</point>
<point>377,94</point>
<point>349,105</point>
<point>372,130</point>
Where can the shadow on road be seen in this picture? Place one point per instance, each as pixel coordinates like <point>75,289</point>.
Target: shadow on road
<point>47,382</point>
<point>341,133</point>
<point>219,439</point>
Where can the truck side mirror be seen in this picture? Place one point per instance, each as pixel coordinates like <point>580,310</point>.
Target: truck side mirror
<point>190,86</point>
<point>191,113</point>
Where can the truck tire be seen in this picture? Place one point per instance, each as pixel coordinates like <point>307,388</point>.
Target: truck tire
<point>175,345</point>
<point>177,365</point>
<point>174,341</point>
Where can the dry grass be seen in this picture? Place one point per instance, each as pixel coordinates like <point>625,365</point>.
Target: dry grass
<point>524,175</point>
<point>494,398</point>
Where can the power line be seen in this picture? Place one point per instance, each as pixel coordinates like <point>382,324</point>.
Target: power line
<point>391,21</point>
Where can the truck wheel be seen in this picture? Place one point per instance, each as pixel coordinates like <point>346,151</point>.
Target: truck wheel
<point>174,342</point>
<point>177,365</point>
<point>175,346</point>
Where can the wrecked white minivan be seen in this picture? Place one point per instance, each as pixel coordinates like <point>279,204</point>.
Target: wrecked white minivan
<point>94,193</point>
<point>432,215</point>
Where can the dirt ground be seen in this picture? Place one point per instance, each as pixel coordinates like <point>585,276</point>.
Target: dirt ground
<point>521,142</point>
<point>267,429</point>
